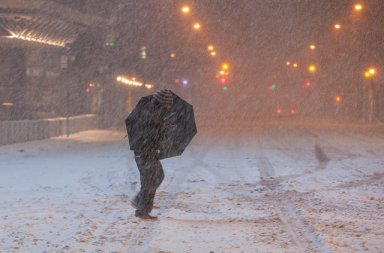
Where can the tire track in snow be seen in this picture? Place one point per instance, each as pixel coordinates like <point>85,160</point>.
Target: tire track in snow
<point>295,223</point>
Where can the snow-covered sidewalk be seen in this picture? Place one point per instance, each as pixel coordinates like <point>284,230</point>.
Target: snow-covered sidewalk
<point>235,189</point>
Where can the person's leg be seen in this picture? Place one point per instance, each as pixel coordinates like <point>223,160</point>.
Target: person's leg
<point>156,179</point>
<point>151,176</point>
<point>159,174</point>
<point>140,162</point>
<point>143,197</point>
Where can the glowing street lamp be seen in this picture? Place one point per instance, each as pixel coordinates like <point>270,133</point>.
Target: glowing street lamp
<point>372,71</point>
<point>210,48</point>
<point>312,47</point>
<point>338,99</point>
<point>337,26</point>
<point>295,65</point>
<point>185,9</point>
<point>213,53</point>
<point>288,63</point>
<point>312,68</point>
<point>358,7</point>
<point>225,66</point>
<point>196,26</point>
<point>172,55</point>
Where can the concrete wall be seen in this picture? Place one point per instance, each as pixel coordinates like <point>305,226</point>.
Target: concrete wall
<point>30,130</point>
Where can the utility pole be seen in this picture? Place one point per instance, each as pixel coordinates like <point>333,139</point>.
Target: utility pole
<point>371,101</point>
<point>64,60</point>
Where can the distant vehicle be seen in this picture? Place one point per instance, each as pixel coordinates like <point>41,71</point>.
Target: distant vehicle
<point>286,111</point>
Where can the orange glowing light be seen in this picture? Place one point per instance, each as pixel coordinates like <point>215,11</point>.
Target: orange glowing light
<point>185,9</point>
<point>196,26</point>
<point>358,7</point>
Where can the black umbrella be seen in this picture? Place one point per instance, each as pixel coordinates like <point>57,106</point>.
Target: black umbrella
<point>181,127</point>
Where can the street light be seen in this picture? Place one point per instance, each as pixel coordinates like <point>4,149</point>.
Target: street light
<point>337,26</point>
<point>358,7</point>
<point>372,71</point>
<point>225,66</point>
<point>370,74</point>
<point>312,47</point>
<point>288,63</point>
<point>312,68</point>
<point>196,26</point>
<point>185,9</point>
<point>213,53</point>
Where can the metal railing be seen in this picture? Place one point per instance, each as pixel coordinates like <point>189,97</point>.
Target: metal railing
<point>30,130</point>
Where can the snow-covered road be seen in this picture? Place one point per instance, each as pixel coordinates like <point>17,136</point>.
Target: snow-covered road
<point>249,188</point>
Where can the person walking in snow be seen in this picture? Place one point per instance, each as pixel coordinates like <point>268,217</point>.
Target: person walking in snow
<point>151,123</point>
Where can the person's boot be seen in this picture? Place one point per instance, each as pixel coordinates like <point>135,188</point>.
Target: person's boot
<point>145,216</point>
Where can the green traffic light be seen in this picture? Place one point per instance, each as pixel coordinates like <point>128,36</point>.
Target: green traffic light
<point>273,86</point>
<point>109,44</point>
<point>225,88</point>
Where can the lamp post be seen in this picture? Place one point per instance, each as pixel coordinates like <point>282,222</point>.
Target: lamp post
<point>65,59</point>
<point>370,74</point>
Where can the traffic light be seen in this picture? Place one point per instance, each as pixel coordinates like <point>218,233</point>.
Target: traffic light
<point>308,84</point>
<point>109,44</point>
<point>272,86</point>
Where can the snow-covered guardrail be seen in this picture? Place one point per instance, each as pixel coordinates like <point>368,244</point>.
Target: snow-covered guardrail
<point>29,130</point>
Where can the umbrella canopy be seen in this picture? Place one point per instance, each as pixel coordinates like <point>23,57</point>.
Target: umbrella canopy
<point>173,134</point>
